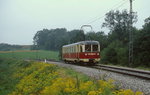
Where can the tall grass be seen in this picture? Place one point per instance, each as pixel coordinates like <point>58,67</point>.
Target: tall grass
<point>7,69</point>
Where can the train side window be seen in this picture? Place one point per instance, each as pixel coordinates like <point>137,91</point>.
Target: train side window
<point>78,48</point>
<point>69,49</point>
<point>81,49</point>
<point>65,50</point>
<point>73,49</point>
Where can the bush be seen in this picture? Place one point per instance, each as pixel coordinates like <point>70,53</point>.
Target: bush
<point>34,78</point>
<point>115,53</point>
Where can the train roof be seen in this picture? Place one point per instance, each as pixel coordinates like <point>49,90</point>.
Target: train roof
<point>83,43</point>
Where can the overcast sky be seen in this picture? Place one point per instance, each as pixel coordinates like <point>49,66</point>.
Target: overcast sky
<point>21,19</point>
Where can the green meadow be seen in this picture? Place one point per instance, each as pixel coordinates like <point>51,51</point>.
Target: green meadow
<point>30,54</point>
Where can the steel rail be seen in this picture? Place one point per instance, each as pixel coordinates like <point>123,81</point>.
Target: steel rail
<point>126,71</point>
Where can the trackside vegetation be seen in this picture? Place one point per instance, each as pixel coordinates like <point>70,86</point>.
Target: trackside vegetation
<point>19,77</point>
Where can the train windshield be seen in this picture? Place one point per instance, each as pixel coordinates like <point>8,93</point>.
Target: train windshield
<point>87,48</point>
<point>95,47</point>
<point>91,48</point>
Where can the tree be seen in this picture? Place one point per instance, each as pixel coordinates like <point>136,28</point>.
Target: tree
<point>40,38</point>
<point>54,39</point>
<point>76,36</point>
<point>142,45</point>
<point>50,39</point>
<point>118,37</point>
<point>118,23</point>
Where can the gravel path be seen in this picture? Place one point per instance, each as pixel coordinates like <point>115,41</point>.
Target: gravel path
<point>122,81</point>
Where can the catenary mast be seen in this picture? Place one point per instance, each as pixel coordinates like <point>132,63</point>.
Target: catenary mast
<point>130,37</point>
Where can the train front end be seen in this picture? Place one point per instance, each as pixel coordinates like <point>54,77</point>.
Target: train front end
<point>89,52</point>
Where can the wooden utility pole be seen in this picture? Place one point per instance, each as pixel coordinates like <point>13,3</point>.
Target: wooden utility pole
<point>130,37</point>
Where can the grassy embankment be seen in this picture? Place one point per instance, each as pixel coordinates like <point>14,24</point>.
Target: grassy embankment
<point>41,54</point>
<point>30,54</point>
<point>34,78</point>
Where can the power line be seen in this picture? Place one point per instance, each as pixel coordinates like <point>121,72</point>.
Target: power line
<point>120,4</point>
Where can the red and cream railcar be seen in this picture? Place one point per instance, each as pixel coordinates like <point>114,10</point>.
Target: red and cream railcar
<point>82,52</point>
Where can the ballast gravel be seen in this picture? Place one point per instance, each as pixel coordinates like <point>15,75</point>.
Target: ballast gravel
<point>122,81</point>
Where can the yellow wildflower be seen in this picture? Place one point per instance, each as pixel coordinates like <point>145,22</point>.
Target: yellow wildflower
<point>92,93</point>
<point>86,86</point>
<point>105,84</point>
<point>138,93</point>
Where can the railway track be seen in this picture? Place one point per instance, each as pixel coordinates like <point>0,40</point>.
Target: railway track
<point>122,70</point>
<point>127,71</point>
<point>127,81</point>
